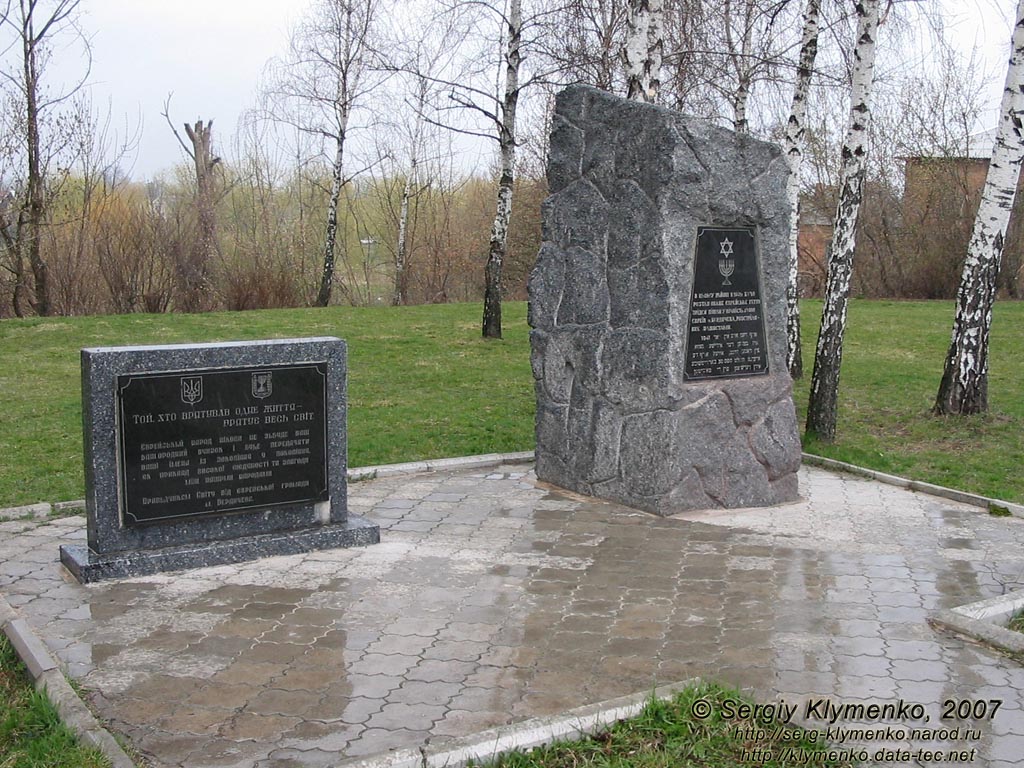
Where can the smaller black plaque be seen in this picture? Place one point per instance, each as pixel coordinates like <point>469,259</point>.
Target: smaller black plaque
<point>726,337</point>
<point>197,443</point>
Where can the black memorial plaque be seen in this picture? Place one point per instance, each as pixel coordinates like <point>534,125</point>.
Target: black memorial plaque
<point>726,337</point>
<point>197,443</point>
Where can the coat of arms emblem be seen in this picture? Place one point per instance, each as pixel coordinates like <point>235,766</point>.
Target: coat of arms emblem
<point>262,385</point>
<point>191,389</point>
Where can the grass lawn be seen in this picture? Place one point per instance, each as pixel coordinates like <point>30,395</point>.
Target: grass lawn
<point>892,363</point>
<point>31,733</point>
<point>423,384</point>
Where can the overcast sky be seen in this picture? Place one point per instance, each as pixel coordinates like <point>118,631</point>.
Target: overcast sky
<point>210,54</point>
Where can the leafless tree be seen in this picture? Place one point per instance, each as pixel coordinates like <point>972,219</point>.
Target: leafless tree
<point>412,150</point>
<point>823,404</point>
<point>586,42</point>
<point>795,128</point>
<point>964,385</point>
<point>492,95</point>
<point>326,76</point>
<point>717,53</point>
<point>28,28</point>
<point>101,154</point>
<point>194,272</point>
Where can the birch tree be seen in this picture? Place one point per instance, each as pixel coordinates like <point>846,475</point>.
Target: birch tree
<point>497,103</point>
<point>740,58</point>
<point>828,356</point>
<point>586,42</point>
<point>964,385</point>
<point>793,145</point>
<point>398,297</point>
<point>721,51</point>
<point>402,152</point>
<point>412,145</point>
<point>506,124</point>
<point>328,72</point>
<point>643,49</point>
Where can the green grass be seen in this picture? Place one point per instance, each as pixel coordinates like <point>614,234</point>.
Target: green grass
<point>1017,623</point>
<point>668,735</point>
<point>31,733</point>
<point>423,384</point>
<point>892,363</point>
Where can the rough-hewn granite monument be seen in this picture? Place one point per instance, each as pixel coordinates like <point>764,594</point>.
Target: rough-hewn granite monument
<point>658,311</point>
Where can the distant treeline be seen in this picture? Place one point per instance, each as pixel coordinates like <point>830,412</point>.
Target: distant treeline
<point>123,247</point>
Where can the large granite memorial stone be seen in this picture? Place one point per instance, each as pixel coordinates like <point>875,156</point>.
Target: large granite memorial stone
<point>658,311</point>
<point>207,454</point>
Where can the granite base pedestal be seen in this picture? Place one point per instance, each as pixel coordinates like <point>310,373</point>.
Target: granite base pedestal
<point>88,566</point>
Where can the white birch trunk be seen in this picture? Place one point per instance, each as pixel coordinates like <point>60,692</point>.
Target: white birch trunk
<point>793,145</point>
<point>403,227</point>
<point>828,357</point>
<point>507,143</point>
<point>964,385</point>
<point>401,247</point>
<point>331,229</point>
<point>741,63</point>
<point>643,48</point>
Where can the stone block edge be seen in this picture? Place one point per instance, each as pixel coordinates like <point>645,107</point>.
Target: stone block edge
<point>48,677</point>
<point>972,499</point>
<point>535,732</point>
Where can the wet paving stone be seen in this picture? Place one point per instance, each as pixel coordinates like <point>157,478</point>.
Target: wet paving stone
<point>491,599</point>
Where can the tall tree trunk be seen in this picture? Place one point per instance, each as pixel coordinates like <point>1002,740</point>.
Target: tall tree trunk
<point>643,48</point>
<point>741,63</point>
<point>403,229</point>
<point>507,144</point>
<point>794,157</point>
<point>828,357</point>
<point>964,385</point>
<point>11,245</point>
<point>30,237</point>
<point>323,298</point>
<point>402,247</point>
<point>196,282</point>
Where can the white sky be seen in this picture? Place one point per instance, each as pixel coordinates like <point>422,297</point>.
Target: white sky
<point>210,54</point>
<point>984,26</point>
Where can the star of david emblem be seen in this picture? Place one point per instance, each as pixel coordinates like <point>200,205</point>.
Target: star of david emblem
<point>727,247</point>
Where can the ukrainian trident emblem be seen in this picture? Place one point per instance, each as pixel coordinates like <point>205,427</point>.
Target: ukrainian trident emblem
<point>191,389</point>
<point>262,385</point>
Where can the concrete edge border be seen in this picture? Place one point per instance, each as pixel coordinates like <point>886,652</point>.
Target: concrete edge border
<point>975,500</point>
<point>479,461</point>
<point>986,620</point>
<point>355,474</point>
<point>48,676</point>
<point>535,732</point>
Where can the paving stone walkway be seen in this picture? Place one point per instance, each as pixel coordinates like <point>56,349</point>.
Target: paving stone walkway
<point>492,599</point>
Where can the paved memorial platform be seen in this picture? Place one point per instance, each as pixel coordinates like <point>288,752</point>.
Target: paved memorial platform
<point>493,599</point>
